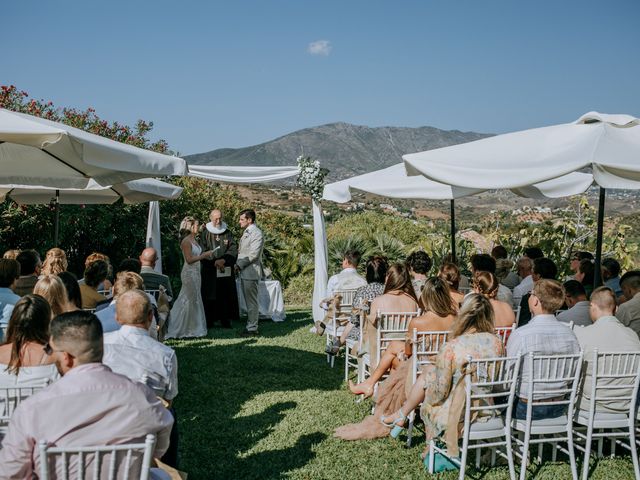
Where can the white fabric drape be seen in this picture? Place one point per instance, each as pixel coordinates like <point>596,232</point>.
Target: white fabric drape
<point>231,174</point>
<point>153,232</point>
<point>608,144</point>
<point>320,277</point>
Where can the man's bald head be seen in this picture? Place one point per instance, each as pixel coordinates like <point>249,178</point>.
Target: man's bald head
<point>216,217</point>
<point>134,308</point>
<point>148,257</point>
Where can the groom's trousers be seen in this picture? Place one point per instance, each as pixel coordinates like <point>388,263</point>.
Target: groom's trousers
<point>250,291</point>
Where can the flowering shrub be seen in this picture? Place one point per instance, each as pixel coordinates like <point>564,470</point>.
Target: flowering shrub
<point>311,177</point>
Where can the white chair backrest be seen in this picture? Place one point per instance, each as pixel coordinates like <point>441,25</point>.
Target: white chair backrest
<point>10,398</point>
<point>504,332</point>
<point>552,376</point>
<point>615,377</point>
<point>153,292</point>
<point>490,387</point>
<point>516,312</point>
<point>426,346</point>
<point>105,462</point>
<point>392,326</point>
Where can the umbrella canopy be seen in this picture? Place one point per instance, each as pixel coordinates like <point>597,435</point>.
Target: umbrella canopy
<point>35,151</point>
<point>608,144</point>
<point>393,182</point>
<point>135,191</point>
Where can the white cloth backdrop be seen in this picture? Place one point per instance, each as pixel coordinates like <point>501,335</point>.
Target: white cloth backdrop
<point>153,233</point>
<point>320,276</point>
<point>232,174</point>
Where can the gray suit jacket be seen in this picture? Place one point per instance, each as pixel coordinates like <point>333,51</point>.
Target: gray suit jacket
<point>250,254</point>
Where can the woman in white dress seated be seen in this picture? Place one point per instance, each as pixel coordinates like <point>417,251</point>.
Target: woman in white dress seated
<point>187,317</point>
<point>23,361</point>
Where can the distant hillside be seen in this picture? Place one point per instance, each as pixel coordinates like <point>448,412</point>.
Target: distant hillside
<point>344,149</point>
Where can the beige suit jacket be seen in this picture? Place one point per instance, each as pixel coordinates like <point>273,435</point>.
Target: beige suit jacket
<point>250,253</point>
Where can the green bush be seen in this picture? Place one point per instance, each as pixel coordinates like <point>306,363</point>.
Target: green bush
<point>300,291</point>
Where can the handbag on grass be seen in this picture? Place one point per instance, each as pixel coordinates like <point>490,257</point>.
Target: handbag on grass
<point>440,463</point>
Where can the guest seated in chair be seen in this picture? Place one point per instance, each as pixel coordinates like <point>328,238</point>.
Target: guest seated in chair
<point>153,279</point>
<point>576,300</point>
<point>376,273</point>
<point>398,296</point>
<point>9,274</point>
<point>89,405</point>
<point>486,284</point>
<point>481,262</point>
<point>125,281</point>
<point>607,334</point>
<point>52,289</point>
<point>450,274</point>
<point>94,275</point>
<point>543,335</point>
<point>132,352</point>
<point>440,313</point>
<point>23,363</point>
<point>471,335</point>
<point>55,262</point>
<point>70,281</point>
<point>30,266</point>
<point>348,278</point>
<point>419,264</point>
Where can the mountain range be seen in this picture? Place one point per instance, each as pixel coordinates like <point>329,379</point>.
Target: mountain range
<point>345,149</point>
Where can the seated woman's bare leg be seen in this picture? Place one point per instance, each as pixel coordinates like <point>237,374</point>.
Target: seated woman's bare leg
<point>345,333</point>
<point>366,388</point>
<point>415,398</point>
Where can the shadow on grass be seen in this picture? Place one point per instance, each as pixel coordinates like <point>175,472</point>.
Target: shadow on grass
<point>215,383</point>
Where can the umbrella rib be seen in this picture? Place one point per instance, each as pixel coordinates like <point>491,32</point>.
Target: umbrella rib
<point>65,163</point>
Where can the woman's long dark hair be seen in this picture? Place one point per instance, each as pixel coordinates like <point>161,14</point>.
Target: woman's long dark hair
<point>29,322</point>
<point>398,278</point>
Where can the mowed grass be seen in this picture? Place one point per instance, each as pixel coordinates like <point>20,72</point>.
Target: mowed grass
<point>266,408</point>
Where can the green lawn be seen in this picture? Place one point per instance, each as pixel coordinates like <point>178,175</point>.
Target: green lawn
<point>267,408</point>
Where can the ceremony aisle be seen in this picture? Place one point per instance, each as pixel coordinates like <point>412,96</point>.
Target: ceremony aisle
<point>266,408</point>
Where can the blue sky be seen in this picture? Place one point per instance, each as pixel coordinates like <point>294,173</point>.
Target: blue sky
<point>215,74</point>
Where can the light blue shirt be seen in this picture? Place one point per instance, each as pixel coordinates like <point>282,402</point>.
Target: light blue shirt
<point>7,300</point>
<point>107,317</point>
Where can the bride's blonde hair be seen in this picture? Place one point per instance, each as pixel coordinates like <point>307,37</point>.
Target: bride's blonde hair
<point>186,227</point>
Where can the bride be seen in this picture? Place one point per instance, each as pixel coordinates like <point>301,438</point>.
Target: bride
<point>187,315</point>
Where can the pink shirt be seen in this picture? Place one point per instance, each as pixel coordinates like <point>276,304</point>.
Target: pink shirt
<point>90,405</point>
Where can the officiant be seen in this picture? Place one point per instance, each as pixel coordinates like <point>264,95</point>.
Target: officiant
<point>218,278</point>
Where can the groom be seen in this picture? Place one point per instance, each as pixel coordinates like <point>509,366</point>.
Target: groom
<point>249,267</point>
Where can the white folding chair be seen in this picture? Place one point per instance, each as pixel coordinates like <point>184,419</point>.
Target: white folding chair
<point>10,398</point>
<point>105,461</point>
<point>425,347</point>
<point>390,326</point>
<point>552,380</point>
<point>490,387</point>
<point>504,332</point>
<point>516,312</point>
<point>351,361</point>
<point>615,377</point>
<point>340,317</point>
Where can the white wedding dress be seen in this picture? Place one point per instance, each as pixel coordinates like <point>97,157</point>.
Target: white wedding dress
<point>187,315</point>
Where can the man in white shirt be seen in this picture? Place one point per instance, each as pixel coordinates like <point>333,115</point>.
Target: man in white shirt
<point>132,352</point>
<point>576,300</point>
<point>89,405</point>
<point>606,334</point>
<point>543,335</point>
<point>481,262</point>
<point>348,278</point>
<point>629,312</point>
<point>525,269</point>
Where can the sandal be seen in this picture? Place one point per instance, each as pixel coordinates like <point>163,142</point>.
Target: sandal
<point>399,419</point>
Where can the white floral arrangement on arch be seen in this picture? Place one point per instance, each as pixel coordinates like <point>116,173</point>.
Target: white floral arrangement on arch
<point>311,177</point>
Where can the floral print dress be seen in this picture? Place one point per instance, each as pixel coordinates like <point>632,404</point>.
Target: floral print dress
<point>441,377</point>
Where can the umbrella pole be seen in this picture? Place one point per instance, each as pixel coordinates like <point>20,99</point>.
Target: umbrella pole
<point>453,231</point>
<point>597,276</point>
<point>57,220</point>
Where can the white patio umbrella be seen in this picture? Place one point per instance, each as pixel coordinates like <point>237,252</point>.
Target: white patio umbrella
<point>608,145</point>
<point>135,191</point>
<point>35,151</point>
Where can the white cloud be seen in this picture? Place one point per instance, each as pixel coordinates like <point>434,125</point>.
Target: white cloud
<point>320,47</point>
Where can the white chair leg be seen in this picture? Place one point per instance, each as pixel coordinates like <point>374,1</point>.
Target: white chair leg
<point>587,453</point>
<point>478,455</point>
<point>493,456</point>
<point>540,445</point>
<point>509,448</point>
<point>572,454</point>
<point>525,457</point>
<point>432,453</point>
<point>634,451</point>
